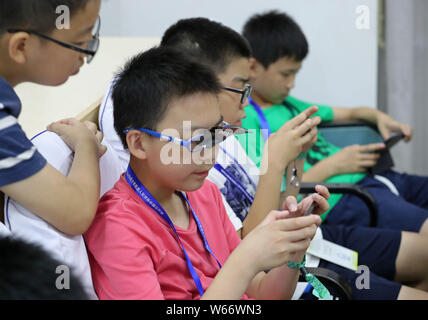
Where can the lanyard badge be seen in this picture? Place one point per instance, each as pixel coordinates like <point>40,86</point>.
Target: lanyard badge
<point>145,195</point>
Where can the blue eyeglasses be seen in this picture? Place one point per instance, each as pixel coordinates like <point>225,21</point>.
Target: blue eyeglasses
<point>208,139</point>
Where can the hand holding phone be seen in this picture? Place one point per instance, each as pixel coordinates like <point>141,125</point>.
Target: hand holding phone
<point>310,209</point>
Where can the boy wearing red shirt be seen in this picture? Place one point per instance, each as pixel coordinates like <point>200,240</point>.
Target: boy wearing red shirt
<point>162,232</point>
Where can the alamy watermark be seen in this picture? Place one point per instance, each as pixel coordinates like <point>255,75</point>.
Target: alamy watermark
<point>63,20</point>
<point>63,280</point>
<point>172,153</point>
<point>363,281</point>
<point>362,21</point>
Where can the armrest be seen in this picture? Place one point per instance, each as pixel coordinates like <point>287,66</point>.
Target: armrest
<point>337,285</point>
<point>357,190</point>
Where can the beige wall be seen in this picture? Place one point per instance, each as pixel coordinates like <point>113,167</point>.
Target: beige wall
<point>43,105</point>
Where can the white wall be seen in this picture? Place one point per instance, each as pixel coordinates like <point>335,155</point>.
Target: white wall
<point>43,105</point>
<point>341,68</point>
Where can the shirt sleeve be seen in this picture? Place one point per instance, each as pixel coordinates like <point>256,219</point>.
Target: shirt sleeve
<point>120,259</point>
<point>19,158</point>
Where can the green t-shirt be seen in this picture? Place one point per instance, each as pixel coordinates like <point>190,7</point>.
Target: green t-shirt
<point>276,116</point>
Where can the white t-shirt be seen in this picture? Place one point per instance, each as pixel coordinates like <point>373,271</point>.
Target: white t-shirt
<point>106,124</point>
<point>233,158</point>
<point>4,231</point>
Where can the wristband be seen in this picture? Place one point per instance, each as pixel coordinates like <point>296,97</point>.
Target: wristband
<point>295,265</point>
<point>319,291</point>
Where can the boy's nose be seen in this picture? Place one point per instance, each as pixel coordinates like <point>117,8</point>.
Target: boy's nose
<point>291,83</point>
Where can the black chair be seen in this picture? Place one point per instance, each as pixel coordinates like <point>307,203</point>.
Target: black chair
<point>336,285</point>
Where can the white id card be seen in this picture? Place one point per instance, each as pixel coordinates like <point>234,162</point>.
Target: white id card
<point>334,253</point>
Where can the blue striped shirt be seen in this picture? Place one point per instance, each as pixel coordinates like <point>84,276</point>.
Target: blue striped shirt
<point>19,158</point>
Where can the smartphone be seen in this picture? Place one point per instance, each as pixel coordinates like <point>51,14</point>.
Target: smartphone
<point>393,140</point>
<point>310,209</point>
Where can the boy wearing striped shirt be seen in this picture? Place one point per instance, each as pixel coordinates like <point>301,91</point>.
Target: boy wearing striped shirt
<point>33,50</point>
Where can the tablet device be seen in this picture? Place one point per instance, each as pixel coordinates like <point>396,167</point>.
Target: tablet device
<point>385,161</point>
<point>393,140</point>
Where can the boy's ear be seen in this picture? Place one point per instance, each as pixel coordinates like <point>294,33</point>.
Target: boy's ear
<point>255,67</point>
<point>18,46</point>
<point>136,142</point>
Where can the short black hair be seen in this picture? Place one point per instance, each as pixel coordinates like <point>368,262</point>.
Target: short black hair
<point>150,81</point>
<point>209,42</point>
<point>274,35</point>
<point>37,15</point>
<point>28,272</point>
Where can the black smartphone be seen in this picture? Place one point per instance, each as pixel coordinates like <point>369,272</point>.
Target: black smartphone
<point>310,209</point>
<point>393,139</point>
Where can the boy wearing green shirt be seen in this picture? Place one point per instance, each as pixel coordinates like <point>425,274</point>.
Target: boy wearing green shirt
<point>279,48</point>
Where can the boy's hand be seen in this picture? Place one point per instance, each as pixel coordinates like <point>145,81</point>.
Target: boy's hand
<point>387,125</point>
<point>310,144</point>
<point>294,137</point>
<point>294,210</point>
<point>276,240</point>
<point>76,134</point>
<point>355,158</point>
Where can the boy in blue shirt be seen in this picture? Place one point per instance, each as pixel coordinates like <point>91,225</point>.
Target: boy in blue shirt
<point>32,49</point>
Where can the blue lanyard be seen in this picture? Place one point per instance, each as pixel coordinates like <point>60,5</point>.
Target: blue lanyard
<point>145,195</point>
<point>264,124</point>
<point>234,181</point>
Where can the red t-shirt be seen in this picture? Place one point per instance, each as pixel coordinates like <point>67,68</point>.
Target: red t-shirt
<point>134,253</point>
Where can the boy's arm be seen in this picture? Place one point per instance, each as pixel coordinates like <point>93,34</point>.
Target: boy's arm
<point>351,159</point>
<point>68,203</point>
<point>384,122</point>
<point>280,150</point>
<point>268,246</point>
<point>359,113</point>
<point>266,199</point>
<point>321,171</point>
<point>356,158</point>
<point>269,196</point>
<point>278,284</point>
